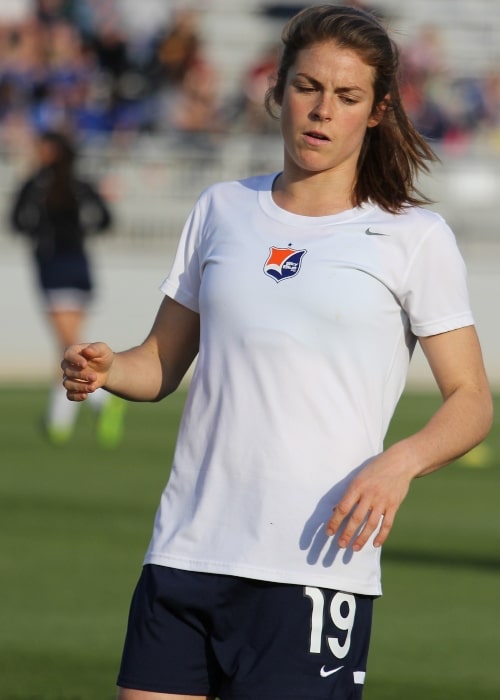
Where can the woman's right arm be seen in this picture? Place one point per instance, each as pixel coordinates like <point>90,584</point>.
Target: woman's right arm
<point>25,211</point>
<point>147,372</point>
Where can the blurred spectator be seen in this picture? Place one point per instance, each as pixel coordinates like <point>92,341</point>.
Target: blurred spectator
<point>23,72</point>
<point>251,111</point>
<point>110,45</point>
<point>425,55</point>
<point>179,47</point>
<point>188,83</point>
<point>426,113</point>
<point>67,72</point>
<point>195,110</point>
<point>424,83</point>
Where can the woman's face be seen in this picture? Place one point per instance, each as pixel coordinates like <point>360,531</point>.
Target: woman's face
<point>326,108</point>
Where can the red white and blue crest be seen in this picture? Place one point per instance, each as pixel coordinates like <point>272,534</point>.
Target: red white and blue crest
<point>283,263</point>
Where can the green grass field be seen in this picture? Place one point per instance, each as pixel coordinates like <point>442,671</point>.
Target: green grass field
<point>75,522</point>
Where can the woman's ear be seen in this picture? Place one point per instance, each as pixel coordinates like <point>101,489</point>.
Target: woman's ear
<point>378,112</point>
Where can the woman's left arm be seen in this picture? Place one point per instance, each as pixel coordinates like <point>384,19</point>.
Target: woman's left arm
<point>465,417</point>
<point>462,421</point>
<point>95,214</point>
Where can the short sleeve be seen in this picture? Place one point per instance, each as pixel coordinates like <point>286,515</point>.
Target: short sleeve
<point>436,296</point>
<point>183,281</point>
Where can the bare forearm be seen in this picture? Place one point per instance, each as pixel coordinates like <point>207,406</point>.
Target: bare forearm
<point>136,375</point>
<point>463,421</point>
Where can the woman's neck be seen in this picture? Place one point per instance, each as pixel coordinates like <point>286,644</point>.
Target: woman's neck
<point>314,195</point>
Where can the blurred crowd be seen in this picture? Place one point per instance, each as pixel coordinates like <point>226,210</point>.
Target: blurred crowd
<point>445,107</point>
<point>79,66</point>
<point>117,68</point>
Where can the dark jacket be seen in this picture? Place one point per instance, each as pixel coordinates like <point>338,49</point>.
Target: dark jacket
<point>58,227</point>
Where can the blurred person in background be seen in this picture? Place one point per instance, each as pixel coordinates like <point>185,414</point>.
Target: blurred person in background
<point>178,46</point>
<point>70,68</point>
<point>56,209</point>
<point>187,83</point>
<point>249,109</point>
<point>302,295</point>
<point>195,112</point>
<point>425,79</point>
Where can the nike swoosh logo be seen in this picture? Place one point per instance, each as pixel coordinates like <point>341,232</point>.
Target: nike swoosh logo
<point>324,673</point>
<point>369,232</point>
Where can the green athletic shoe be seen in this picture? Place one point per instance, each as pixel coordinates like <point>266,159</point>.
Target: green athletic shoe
<point>58,436</point>
<point>110,422</point>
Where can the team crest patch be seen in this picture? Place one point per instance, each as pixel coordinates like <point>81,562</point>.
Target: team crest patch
<point>283,263</point>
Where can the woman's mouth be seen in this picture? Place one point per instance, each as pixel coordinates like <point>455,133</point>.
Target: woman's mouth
<point>315,137</point>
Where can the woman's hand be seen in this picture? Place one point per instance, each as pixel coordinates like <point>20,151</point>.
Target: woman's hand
<point>371,501</point>
<point>86,367</point>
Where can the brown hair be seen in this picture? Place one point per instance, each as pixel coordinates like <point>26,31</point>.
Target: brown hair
<point>60,193</point>
<point>393,152</point>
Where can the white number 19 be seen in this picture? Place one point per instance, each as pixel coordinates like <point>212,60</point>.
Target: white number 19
<point>342,621</point>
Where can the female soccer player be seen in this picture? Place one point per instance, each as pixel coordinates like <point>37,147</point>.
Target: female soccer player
<point>302,294</point>
<point>57,209</point>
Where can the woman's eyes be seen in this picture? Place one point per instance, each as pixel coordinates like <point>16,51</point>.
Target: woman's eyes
<point>348,100</point>
<point>306,88</point>
<point>309,89</point>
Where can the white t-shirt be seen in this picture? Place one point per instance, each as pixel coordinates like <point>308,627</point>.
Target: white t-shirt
<point>307,328</point>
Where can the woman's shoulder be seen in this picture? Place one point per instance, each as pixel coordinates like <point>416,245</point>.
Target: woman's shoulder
<point>409,213</point>
<point>410,220</point>
<point>423,215</point>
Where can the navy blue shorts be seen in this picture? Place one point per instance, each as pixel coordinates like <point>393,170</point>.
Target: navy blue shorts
<point>239,639</point>
<point>69,270</point>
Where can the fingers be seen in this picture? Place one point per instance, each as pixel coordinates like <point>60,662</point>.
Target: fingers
<point>79,378</point>
<point>355,520</point>
<point>385,528</point>
<point>74,357</point>
<point>368,507</point>
<point>78,382</point>
<point>356,525</point>
<point>80,355</point>
<point>91,351</point>
<point>76,390</point>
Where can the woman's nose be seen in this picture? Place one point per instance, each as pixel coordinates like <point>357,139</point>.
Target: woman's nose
<point>323,110</point>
